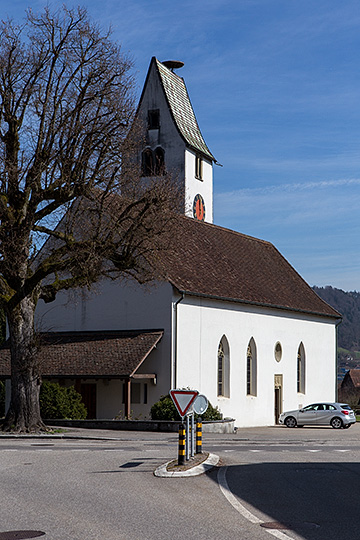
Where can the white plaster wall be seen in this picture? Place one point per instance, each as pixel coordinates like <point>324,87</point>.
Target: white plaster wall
<point>111,305</point>
<point>109,397</point>
<point>201,325</point>
<point>193,185</point>
<point>109,400</point>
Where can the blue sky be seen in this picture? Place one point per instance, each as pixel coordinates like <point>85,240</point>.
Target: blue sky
<point>275,85</point>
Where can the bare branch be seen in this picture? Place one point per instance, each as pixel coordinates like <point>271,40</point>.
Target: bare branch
<point>73,208</point>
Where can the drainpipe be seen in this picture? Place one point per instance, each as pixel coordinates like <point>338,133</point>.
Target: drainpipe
<point>175,340</point>
<point>337,358</point>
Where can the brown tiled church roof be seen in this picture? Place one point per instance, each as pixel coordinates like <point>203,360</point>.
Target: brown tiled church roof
<point>90,354</point>
<point>205,260</point>
<point>208,260</point>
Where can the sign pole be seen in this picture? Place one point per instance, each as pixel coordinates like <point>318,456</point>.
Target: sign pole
<point>192,435</point>
<point>187,438</point>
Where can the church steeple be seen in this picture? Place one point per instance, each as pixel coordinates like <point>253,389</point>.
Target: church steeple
<point>173,138</point>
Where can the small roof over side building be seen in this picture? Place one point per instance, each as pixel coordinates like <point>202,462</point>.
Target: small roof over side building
<point>99,354</point>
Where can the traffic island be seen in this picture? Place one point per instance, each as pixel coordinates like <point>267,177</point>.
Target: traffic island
<point>198,464</point>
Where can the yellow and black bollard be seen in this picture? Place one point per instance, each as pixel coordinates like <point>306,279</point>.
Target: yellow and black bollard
<point>181,456</point>
<point>199,436</point>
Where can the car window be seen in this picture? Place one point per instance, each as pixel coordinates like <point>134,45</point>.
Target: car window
<point>310,408</point>
<point>317,407</point>
<point>347,407</point>
<point>330,408</point>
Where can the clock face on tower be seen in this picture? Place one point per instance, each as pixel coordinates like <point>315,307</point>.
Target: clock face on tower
<point>199,207</point>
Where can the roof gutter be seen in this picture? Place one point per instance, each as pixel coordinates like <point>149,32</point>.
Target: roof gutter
<point>259,304</point>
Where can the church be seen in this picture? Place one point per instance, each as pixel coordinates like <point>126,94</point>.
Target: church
<point>232,320</point>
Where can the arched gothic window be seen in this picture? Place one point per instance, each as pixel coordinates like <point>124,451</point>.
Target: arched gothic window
<point>251,369</point>
<point>301,369</point>
<point>223,368</point>
<point>148,167</point>
<point>153,163</point>
<point>159,161</point>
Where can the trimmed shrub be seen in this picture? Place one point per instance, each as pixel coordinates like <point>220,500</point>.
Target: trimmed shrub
<point>60,402</point>
<point>164,409</point>
<point>212,413</point>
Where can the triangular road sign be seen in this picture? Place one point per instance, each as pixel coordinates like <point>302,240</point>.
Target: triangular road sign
<point>183,399</point>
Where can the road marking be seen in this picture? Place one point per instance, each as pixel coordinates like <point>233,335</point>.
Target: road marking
<point>256,450</point>
<point>235,503</point>
<point>341,450</point>
<point>312,450</point>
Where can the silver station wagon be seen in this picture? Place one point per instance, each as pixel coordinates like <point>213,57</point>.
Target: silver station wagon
<point>337,415</point>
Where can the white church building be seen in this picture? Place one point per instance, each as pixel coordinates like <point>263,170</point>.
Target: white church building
<point>233,319</point>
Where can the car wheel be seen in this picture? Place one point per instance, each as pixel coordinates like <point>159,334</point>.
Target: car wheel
<point>336,423</point>
<point>347,426</point>
<point>290,421</point>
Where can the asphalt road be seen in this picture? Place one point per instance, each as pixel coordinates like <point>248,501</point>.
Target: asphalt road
<point>306,480</point>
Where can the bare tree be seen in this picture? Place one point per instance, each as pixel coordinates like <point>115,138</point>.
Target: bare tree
<point>68,181</point>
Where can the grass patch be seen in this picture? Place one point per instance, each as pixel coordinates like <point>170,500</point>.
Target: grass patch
<point>57,430</point>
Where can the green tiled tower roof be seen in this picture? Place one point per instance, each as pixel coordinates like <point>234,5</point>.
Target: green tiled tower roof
<point>181,109</point>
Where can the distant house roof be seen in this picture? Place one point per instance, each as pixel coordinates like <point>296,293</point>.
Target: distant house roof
<point>208,260</point>
<point>351,379</point>
<point>90,354</point>
<point>180,108</point>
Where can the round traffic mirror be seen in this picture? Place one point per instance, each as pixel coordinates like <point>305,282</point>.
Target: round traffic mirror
<point>200,404</point>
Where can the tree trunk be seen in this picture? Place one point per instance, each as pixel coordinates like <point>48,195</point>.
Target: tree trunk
<point>24,411</point>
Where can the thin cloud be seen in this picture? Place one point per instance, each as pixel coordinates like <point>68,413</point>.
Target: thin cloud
<point>301,200</point>
<point>315,225</point>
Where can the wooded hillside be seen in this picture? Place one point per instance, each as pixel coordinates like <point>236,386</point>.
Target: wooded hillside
<point>348,304</point>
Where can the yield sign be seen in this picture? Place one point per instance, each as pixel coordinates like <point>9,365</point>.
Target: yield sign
<point>183,399</point>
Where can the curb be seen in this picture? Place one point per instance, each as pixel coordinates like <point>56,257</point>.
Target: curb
<point>208,464</point>
<point>56,436</point>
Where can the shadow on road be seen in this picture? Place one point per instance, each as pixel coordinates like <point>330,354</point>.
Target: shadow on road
<point>318,501</point>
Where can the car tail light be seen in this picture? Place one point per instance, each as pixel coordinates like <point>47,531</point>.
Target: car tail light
<point>345,412</point>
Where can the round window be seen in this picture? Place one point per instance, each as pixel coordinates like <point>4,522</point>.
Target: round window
<point>278,352</point>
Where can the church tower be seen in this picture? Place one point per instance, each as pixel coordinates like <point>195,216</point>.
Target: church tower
<point>174,142</point>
